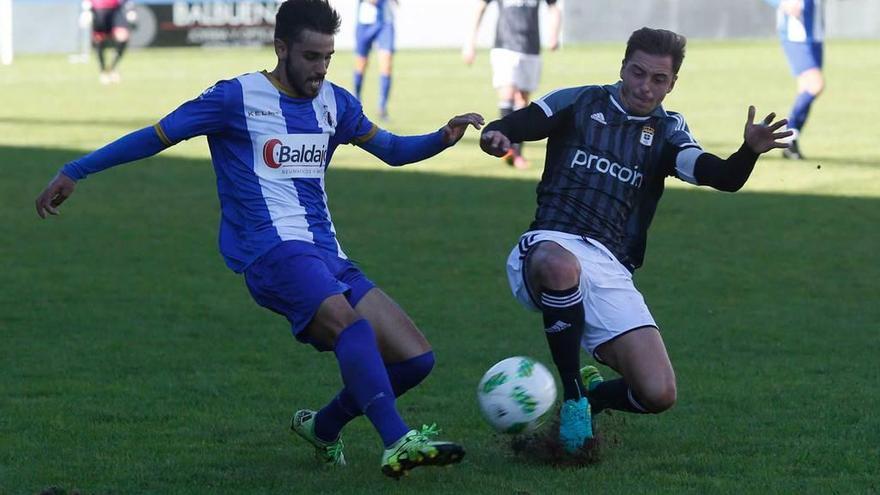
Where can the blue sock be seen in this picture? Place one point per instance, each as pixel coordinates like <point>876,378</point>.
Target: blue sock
<point>405,375</point>
<point>384,90</point>
<point>800,110</point>
<point>358,83</point>
<point>364,376</point>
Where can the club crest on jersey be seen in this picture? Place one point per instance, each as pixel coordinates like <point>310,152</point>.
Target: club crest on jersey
<point>328,117</point>
<point>647,136</point>
<point>292,156</point>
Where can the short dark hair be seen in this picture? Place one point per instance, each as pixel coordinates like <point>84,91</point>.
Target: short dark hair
<point>295,16</point>
<point>657,42</point>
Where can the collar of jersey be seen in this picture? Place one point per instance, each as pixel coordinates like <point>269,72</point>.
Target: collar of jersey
<point>614,95</point>
<point>280,87</point>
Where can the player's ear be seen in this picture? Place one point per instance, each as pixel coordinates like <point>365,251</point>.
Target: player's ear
<point>280,49</point>
<point>672,84</point>
<point>622,65</point>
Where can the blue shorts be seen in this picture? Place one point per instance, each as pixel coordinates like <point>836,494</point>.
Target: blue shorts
<point>382,34</point>
<point>295,277</point>
<point>803,56</point>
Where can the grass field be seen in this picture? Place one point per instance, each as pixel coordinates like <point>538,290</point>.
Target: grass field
<point>133,361</point>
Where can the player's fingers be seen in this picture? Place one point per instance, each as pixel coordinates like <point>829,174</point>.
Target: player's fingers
<point>781,135</point>
<point>769,118</point>
<point>778,124</point>
<point>59,198</point>
<point>751,119</point>
<point>39,206</point>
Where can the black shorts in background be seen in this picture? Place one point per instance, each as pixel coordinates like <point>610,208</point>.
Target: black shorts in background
<point>105,20</point>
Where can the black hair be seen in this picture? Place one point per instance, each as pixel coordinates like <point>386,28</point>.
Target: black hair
<point>295,16</point>
<point>657,42</point>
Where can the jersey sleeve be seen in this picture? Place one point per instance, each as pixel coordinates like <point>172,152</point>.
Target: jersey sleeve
<point>203,115</point>
<point>683,147</point>
<point>555,102</point>
<point>353,126</point>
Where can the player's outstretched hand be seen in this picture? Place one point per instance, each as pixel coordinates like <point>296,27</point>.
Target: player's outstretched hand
<point>58,190</point>
<point>494,143</point>
<point>762,136</point>
<point>454,129</point>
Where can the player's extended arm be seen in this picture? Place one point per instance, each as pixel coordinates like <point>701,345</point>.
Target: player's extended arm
<point>527,124</point>
<point>400,150</point>
<point>730,175</point>
<point>469,50</point>
<point>134,146</point>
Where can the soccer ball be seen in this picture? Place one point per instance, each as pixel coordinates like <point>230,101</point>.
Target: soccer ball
<point>515,393</point>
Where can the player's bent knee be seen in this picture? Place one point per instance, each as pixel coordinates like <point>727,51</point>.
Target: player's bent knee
<point>553,267</point>
<point>660,399</point>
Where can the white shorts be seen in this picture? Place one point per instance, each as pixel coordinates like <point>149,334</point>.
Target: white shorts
<point>612,304</point>
<point>519,70</point>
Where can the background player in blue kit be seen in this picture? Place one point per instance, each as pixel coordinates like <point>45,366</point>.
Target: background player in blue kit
<point>375,26</point>
<point>609,150</point>
<point>272,136</point>
<point>515,55</point>
<point>801,26</point>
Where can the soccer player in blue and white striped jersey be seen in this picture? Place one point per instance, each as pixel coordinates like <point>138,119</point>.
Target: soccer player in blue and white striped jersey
<point>272,136</point>
<point>375,26</point>
<point>609,151</point>
<point>801,26</point>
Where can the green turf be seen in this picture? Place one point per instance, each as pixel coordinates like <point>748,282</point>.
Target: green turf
<point>133,361</point>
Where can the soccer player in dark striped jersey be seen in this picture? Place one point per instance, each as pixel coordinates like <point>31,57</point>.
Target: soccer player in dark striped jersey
<point>272,136</point>
<point>609,151</point>
<point>515,55</point>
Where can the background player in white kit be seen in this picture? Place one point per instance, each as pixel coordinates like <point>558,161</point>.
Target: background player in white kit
<point>272,136</point>
<point>609,151</point>
<point>515,56</point>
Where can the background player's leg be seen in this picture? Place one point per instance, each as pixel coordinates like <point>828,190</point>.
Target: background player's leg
<point>520,100</point>
<point>120,36</point>
<point>648,380</point>
<point>407,355</point>
<point>505,108</point>
<point>360,66</point>
<point>385,66</point>
<point>810,86</point>
<point>98,42</point>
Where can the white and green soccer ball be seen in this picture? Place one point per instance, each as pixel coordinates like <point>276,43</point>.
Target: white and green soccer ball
<point>515,393</point>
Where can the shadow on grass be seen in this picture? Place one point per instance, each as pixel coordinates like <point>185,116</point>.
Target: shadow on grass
<point>121,308</point>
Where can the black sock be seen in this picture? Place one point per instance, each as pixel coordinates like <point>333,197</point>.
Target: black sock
<point>615,394</point>
<point>99,49</point>
<point>120,49</point>
<point>563,326</point>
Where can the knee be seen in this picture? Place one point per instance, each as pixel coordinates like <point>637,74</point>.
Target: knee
<point>660,397</point>
<point>554,269</point>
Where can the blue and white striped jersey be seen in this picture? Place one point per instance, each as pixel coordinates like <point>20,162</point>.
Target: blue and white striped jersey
<point>270,151</point>
<point>808,27</point>
<point>605,169</point>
